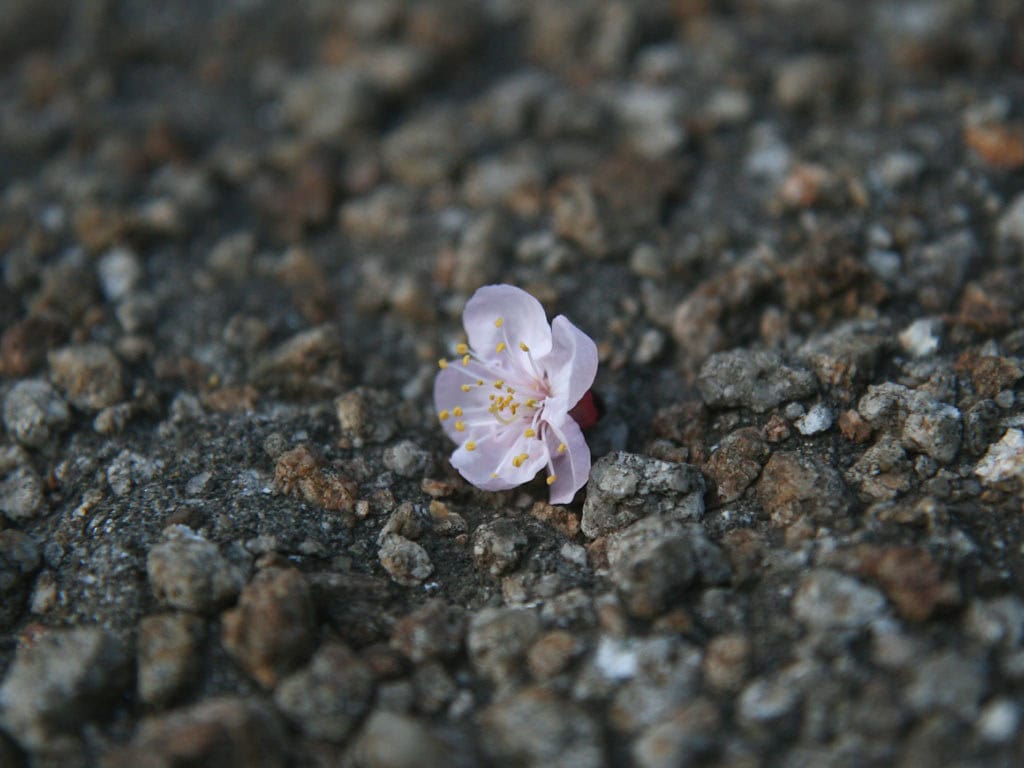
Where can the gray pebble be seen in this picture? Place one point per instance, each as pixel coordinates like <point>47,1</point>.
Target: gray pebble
<point>405,561</point>
<point>168,655</point>
<point>34,412</point>
<point>497,546</point>
<point>755,379</point>
<point>829,600</point>
<point>188,572</point>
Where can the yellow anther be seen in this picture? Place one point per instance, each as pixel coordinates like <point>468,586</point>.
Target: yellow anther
<point>499,384</point>
<point>500,347</point>
<point>462,349</point>
<point>442,363</point>
<point>460,426</point>
<point>518,460</point>
<point>551,479</point>
<point>479,382</point>
<point>465,360</point>
<point>499,322</point>
<point>530,433</point>
<point>470,445</point>
<point>457,411</point>
<point>510,390</point>
<point>531,403</point>
<point>522,346</point>
<point>466,387</point>
<point>443,415</point>
<point>561,447</point>
<point>494,474</point>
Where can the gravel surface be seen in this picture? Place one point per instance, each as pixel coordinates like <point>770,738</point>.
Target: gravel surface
<point>237,236</point>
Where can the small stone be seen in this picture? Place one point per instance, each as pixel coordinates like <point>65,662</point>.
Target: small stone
<point>34,412</point>
<point>405,561</point>
<point>624,487</point>
<point>736,464</point>
<point>386,212</point>
<point>755,379</point>
<point>828,600</point>
<point>999,621</point>
<point>1004,460</point>
<point>168,655</point>
<point>938,269</point>
<point>89,375</point>
<point>227,731</point>
<point>19,559</point>
<point>309,364</point>
<point>58,682</point>
<point>406,458</point>
<point>652,118</point>
<point>883,472</point>
<point>684,738</point>
<point>656,558</point>
<point>433,631</point>
<point>120,272</point>
<point>535,728</point>
<point>577,216</point>
<point>551,654</point>
<point>794,486</point>
<point>949,681</point>
<point>499,639</point>
<point>188,572</point>
<point>271,631</point>
<point>846,355</point>
<point>21,490</point>
<point>912,580</point>
<point>300,472</point>
<point>770,703</point>
<point>327,698</point>
<point>817,419</point>
<point>390,740</point>
<point>999,721</point>
<point>366,416</point>
<point>807,81</point>
<point>330,104</point>
<point>497,546</point>
<point>727,661</point>
<point>919,339</point>
<point>1010,227</point>
<point>427,148</point>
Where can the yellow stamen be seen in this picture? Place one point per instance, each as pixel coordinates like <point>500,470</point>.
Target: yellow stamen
<point>530,433</point>
<point>510,390</point>
<point>499,384</point>
<point>442,363</point>
<point>457,411</point>
<point>470,445</point>
<point>518,460</point>
<point>499,322</point>
<point>561,447</point>
<point>551,479</point>
<point>531,403</point>
<point>460,426</point>
<point>465,360</point>
<point>466,387</point>
<point>494,474</point>
<point>443,415</point>
<point>479,383</point>
<point>462,349</point>
<point>522,346</point>
<point>500,347</point>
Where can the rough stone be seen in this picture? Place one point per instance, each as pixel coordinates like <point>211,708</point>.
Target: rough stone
<point>794,486</point>
<point>390,740</point>
<point>366,416</point>
<point>736,464</point>
<point>309,364</point>
<point>686,737</point>
<point>19,559</point>
<point>883,472</point>
<point>168,655</point>
<point>912,580</point>
<point>535,728</point>
<point>90,375</point>
<point>34,412</point>
<point>58,682</point>
<point>301,472</point>
<point>271,631</point>
<point>406,458</point>
<point>326,698</point>
<point>405,561</point>
<point>188,572</point>
<point>624,487</point>
<point>228,731</point>
<point>846,355</point>
<point>828,600</point>
<point>755,379</point>
<point>21,489</point>
<point>497,546</point>
<point>498,641</point>
<point>1004,460</point>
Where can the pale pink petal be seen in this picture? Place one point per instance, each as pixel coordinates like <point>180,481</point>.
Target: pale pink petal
<point>571,367</point>
<point>490,466</point>
<point>448,394</point>
<point>504,314</point>
<point>572,466</point>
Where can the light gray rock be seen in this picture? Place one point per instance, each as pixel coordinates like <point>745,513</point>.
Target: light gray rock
<point>406,561</point>
<point>757,379</point>
<point>21,490</point>
<point>406,458</point>
<point>188,572</point>
<point>950,681</point>
<point>498,640</point>
<point>34,411</point>
<point>829,600</point>
<point>624,487</point>
<point>497,546</point>
<point>90,375</point>
<point>390,740</point>
<point>168,655</point>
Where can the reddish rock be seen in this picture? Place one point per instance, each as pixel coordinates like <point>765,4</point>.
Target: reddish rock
<point>912,580</point>
<point>300,473</point>
<point>736,464</point>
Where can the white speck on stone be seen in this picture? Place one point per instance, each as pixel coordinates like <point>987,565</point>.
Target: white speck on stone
<point>999,721</point>
<point>574,553</point>
<point>615,659</point>
<point>1004,460</point>
<point>918,339</point>
<point>816,420</point>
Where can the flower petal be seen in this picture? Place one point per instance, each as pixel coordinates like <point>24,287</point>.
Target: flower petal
<point>504,314</point>
<point>572,466</point>
<point>448,394</point>
<point>491,466</point>
<point>571,367</point>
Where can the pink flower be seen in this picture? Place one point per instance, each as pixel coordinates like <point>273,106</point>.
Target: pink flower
<point>506,399</point>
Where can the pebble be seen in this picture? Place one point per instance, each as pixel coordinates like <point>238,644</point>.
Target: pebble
<point>366,416</point>
<point>169,655</point>
<point>89,375</point>
<point>1010,226</point>
<point>226,731</point>
<point>846,355</point>
<point>499,639</point>
<point>327,698</point>
<point>120,273</point>
<point>21,490</point>
<point>59,681</point>
<point>19,560</point>
<point>922,422</point>
<point>497,546</point>
<point>535,728</point>
<point>406,458</point>
<point>997,621</point>
<point>329,104</point>
<point>1004,460</point>
<point>551,654</point>
<point>769,704</point>
<point>684,738</point>
<point>755,379</point>
<point>432,631</point>
<point>793,486</point>
<point>188,572</point>
<point>828,600</point>
<point>883,472</point>
<point>999,721</point>
<point>919,339</point>
<point>950,681</point>
<point>727,661</point>
<point>817,419</point>
<point>391,740</point>
<point>624,487</point>
<point>427,148</point>
<point>405,561</point>
<point>271,631</point>
<point>34,412</point>
<point>309,364</point>
<point>300,472</point>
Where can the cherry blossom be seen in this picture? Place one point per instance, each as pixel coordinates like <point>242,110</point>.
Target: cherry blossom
<point>506,399</point>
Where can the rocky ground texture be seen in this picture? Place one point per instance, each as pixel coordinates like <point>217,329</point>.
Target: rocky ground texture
<point>236,236</point>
